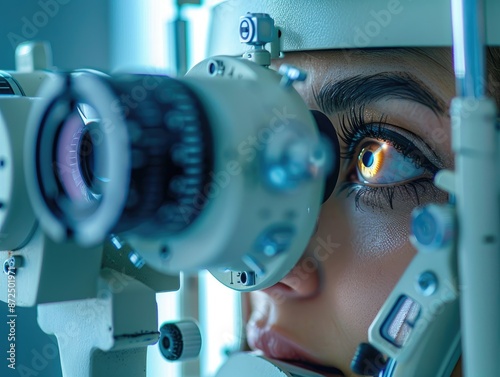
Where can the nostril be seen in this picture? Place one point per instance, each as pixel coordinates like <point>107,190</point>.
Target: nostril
<point>302,282</point>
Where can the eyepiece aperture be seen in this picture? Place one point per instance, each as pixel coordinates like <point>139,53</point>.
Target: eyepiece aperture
<point>123,152</point>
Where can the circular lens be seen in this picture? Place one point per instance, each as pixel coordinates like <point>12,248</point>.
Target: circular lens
<point>121,153</point>
<point>77,159</point>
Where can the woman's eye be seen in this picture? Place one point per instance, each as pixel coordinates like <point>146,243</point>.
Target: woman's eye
<point>380,163</point>
<point>385,164</point>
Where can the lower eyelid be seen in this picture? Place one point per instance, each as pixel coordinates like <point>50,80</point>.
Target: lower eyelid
<point>381,197</point>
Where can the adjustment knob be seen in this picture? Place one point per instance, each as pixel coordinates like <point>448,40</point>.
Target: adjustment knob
<point>180,341</point>
<point>290,74</point>
<point>256,29</point>
<point>433,226</point>
<point>368,361</point>
<point>293,158</point>
<point>171,152</point>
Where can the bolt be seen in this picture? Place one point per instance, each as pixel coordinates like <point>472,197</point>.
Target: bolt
<point>6,267</point>
<point>164,252</point>
<point>215,67</point>
<point>245,30</point>
<point>12,263</point>
<point>117,243</point>
<point>291,74</point>
<point>427,283</point>
<point>136,259</point>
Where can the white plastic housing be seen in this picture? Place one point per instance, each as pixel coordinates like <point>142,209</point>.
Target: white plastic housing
<point>246,102</point>
<point>328,24</point>
<point>17,219</point>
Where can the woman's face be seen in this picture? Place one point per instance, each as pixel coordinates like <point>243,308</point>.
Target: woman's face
<point>390,110</point>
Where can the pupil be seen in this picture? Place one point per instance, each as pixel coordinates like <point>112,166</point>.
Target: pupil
<point>368,159</point>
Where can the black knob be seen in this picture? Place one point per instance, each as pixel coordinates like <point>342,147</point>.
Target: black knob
<point>368,361</point>
<point>180,340</point>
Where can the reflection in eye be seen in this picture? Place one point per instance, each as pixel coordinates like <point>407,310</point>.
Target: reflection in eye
<point>385,162</point>
<point>380,163</point>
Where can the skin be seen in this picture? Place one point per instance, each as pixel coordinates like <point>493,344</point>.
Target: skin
<point>327,309</point>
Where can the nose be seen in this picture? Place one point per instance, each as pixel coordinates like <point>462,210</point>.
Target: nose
<point>303,281</point>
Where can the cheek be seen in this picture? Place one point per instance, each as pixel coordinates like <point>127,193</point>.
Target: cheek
<point>361,295</point>
<point>374,252</point>
<point>377,233</point>
<point>380,231</point>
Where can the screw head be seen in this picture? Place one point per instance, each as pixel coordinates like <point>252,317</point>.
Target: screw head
<point>165,252</point>
<point>12,263</point>
<point>136,259</point>
<point>246,30</point>
<point>427,283</point>
<point>256,29</point>
<point>6,267</point>
<point>291,74</point>
<point>215,67</point>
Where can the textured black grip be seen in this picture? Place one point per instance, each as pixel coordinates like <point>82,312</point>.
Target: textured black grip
<point>171,342</point>
<point>171,152</point>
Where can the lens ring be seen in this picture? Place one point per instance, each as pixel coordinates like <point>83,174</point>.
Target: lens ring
<point>74,155</point>
<point>66,218</point>
<point>135,149</point>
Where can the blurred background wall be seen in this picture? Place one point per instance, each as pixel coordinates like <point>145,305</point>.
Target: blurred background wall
<point>78,30</point>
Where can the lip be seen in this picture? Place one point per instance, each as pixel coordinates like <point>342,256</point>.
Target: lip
<point>277,346</point>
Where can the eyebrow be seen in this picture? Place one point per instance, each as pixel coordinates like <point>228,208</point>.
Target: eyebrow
<point>359,90</point>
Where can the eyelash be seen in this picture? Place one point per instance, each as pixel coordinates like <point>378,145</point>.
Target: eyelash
<point>353,130</point>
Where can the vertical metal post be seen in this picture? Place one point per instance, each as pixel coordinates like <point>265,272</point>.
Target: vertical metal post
<point>179,45</point>
<point>469,47</point>
<point>179,39</point>
<point>189,305</point>
<point>475,146</point>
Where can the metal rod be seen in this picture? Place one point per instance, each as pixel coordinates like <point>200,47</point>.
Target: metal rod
<point>469,47</point>
<point>475,145</point>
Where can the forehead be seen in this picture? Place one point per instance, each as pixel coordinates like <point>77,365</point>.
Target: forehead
<point>431,65</point>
